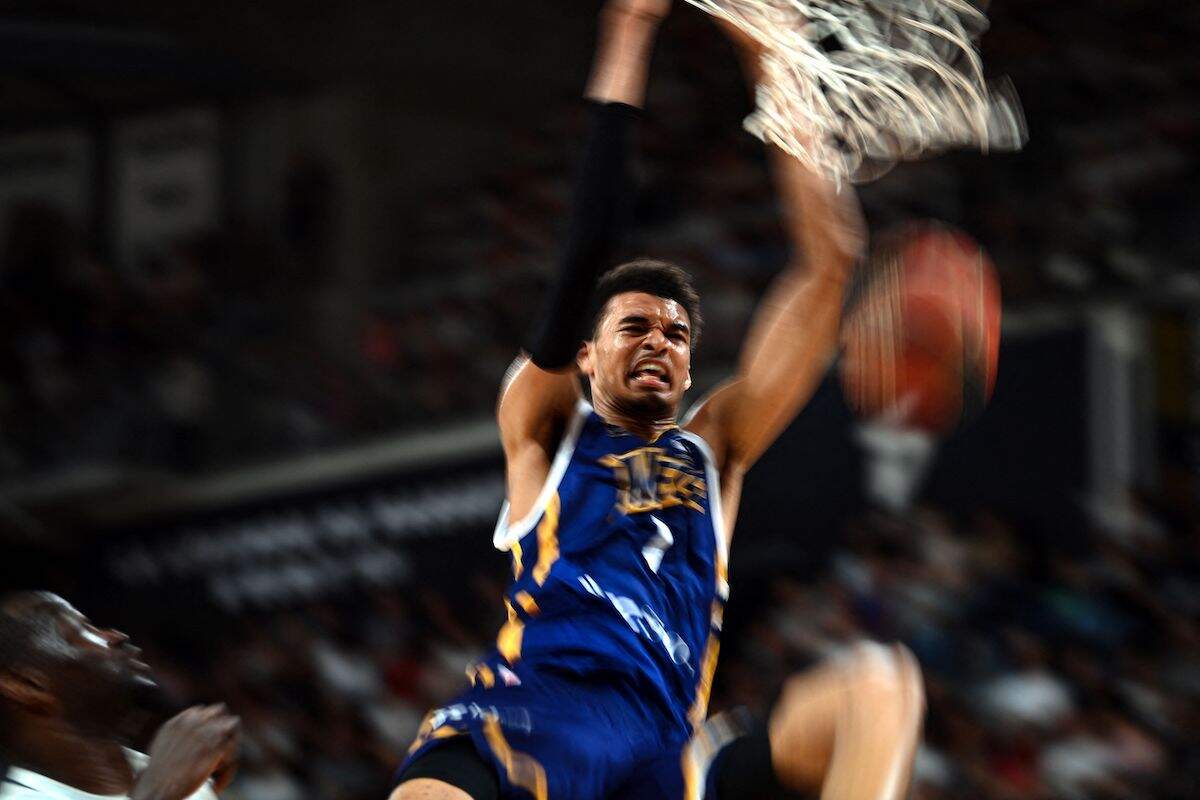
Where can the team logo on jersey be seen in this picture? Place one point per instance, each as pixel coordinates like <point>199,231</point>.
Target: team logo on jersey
<point>648,479</point>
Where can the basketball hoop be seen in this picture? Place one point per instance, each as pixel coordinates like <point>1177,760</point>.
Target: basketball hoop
<point>850,87</point>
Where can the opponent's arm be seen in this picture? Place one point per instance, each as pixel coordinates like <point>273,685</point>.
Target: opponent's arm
<point>542,387</point>
<point>794,334</point>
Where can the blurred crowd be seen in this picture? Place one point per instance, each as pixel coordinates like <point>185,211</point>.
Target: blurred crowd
<point>213,353</point>
<point>200,355</point>
<point>1055,670</point>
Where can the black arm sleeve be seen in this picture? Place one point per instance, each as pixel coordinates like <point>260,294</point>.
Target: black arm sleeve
<point>602,194</point>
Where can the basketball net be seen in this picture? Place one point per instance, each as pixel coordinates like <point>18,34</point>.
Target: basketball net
<point>850,87</point>
<point>896,460</point>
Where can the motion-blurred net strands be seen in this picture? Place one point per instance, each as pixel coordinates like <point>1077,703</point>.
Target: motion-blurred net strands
<point>850,87</point>
<point>874,324</point>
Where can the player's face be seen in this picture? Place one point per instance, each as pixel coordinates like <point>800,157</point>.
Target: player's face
<point>639,361</point>
<point>109,651</point>
<point>96,676</point>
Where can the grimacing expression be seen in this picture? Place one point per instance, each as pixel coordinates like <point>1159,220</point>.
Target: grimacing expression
<point>639,358</point>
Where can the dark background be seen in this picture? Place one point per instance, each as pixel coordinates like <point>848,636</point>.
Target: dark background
<point>251,341</point>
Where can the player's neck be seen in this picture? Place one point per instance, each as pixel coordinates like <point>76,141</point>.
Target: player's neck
<point>638,425</point>
<point>90,763</point>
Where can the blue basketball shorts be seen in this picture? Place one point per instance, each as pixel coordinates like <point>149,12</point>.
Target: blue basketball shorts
<point>552,736</point>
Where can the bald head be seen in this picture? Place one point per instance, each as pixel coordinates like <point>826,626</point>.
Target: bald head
<point>28,634</point>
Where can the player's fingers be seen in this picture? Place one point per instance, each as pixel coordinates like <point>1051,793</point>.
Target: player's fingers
<point>229,730</point>
<point>223,760</point>
<point>226,767</point>
<point>188,719</point>
<point>224,730</point>
<point>202,713</point>
<point>214,729</point>
<point>224,776</point>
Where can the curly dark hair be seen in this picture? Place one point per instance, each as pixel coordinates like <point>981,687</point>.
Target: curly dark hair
<point>652,276</point>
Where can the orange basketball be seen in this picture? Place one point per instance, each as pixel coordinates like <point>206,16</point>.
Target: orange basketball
<point>922,336</point>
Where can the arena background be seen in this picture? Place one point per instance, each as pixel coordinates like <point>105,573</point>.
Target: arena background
<point>262,268</point>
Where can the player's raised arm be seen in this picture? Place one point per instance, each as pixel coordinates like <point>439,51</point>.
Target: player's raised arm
<point>794,334</point>
<point>542,386</point>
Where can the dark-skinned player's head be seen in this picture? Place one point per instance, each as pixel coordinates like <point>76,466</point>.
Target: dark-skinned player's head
<point>55,666</point>
<point>645,326</point>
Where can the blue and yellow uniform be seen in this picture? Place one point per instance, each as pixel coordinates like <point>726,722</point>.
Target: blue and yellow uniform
<point>604,666</point>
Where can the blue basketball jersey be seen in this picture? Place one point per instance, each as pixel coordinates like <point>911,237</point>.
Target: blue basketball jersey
<point>620,565</point>
<point>603,670</point>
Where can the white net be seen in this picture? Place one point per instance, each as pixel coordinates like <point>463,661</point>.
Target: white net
<point>852,86</point>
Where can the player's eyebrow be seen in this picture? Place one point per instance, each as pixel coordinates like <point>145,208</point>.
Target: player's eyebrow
<point>636,319</point>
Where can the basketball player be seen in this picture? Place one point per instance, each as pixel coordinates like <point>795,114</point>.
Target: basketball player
<point>618,520</point>
<point>72,694</point>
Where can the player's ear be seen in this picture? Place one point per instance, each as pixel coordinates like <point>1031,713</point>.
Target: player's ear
<point>29,689</point>
<point>583,359</point>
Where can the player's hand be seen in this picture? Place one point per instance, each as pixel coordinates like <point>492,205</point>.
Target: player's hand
<point>628,29</point>
<point>188,749</point>
<point>654,11</point>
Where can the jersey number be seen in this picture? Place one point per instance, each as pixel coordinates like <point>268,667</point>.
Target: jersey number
<point>658,545</point>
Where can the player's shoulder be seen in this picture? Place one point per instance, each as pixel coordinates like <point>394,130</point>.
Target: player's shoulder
<point>704,422</point>
<point>535,405</point>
